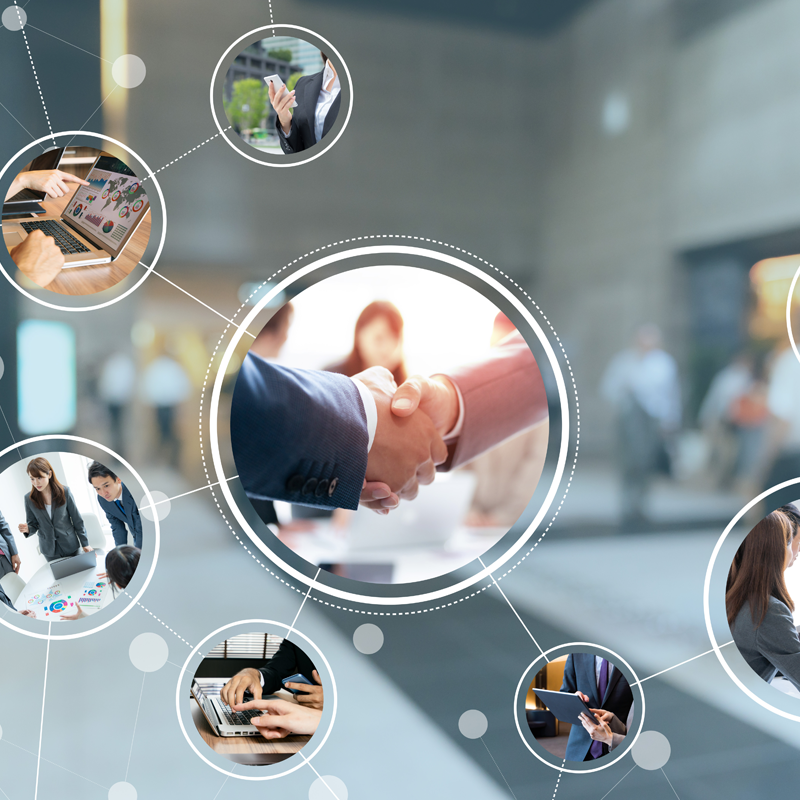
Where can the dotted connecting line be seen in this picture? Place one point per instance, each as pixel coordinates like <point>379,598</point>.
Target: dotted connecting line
<point>152,174</point>
<point>271,18</point>
<point>174,633</point>
<point>33,66</point>
<point>210,483</point>
<point>560,773</point>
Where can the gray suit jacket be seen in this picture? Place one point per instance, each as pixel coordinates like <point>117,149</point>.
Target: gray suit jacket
<point>61,536</point>
<point>772,646</point>
<point>503,395</point>
<point>7,543</point>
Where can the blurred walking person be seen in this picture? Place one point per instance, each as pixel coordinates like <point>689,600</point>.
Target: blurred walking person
<point>642,385</point>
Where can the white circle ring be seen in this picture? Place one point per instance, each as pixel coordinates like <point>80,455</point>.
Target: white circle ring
<point>789,299</point>
<point>389,250</point>
<point>279,163</point>
<point>135,600</point>
<point>155,258</point>
<point>617,659</point>
<point>707,609</point>
<point>305,758</point>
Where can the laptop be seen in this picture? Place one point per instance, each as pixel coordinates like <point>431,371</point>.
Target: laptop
<point>65,567</point>
<point>98,221</point>
<point>27,201</point>
<point>222,720</point>
<point>431,519</point>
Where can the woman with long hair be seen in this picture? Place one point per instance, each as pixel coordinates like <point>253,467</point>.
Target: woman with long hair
<point>53,514</point>
<point>758,603</point>
<point>377,342</point>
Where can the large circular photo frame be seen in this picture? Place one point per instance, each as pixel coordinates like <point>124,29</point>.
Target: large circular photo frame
<point>510,545</point>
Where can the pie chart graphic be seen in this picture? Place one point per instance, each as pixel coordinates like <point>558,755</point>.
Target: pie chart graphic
<point>116,195</point>
<point>105,194</point>
<point>107,226</point>
<point>124,211</point>
<point>133,187</point>
<point>56,607</point>
<point>91,592</point>
<point>137,205</point>
<point>77,210</point>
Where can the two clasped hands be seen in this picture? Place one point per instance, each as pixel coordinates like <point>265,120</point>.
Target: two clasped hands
<point>412,423</point>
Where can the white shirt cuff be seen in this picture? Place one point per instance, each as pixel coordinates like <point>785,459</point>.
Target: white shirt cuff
<point>456,430</point>
<point>261,678</point>
<point>370,408</point>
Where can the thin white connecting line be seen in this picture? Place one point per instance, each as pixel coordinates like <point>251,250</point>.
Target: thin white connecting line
<point>135,723</point>
<point>693,658</point>
<point>197,300</point>
<point>291,627</point>
<point>498,769</point>
<point>113,88</point>
<point>186,153</point>
<point>28,25</point>
<point>53,763</point>
<point>669,782</point>
<point>44,697</point>
<point>33,67</point>
<point>193,491</point>
<point>515,611</point>
<point>21,125</point>
<point>11,433</point>
<point>618,782</point>
<point>318,775</point>
<point>560,776</point>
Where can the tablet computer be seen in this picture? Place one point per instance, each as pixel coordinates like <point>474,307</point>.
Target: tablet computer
<point>565,707</point>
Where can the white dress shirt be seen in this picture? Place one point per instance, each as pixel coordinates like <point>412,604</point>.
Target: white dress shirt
<point>325,99</point>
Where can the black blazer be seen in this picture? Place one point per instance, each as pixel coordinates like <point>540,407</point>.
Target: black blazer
<point>301,135</point>
<point>289,660</point>
<point>119,519</point>
<point>579,675</point>
<point>61,536</point>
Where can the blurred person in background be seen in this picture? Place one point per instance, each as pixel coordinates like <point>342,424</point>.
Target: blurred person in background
<point>318,99</point>
<point>758,603</point>
<point>53,514</point>
<point>507,476</point>
<point>377,342</point>
<point>9,559</point>
<point>733,415</point>
<point>779,459</point>
<point>165,386</point>
<point>641,384</point>
<point>115,390</point>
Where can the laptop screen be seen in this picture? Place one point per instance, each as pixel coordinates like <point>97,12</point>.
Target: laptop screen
<point>109,208</point>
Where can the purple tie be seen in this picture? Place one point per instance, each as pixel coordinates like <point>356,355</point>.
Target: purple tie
<point>598,748</point>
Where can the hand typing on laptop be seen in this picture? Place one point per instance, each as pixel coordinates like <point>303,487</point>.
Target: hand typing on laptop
<point>39,258</point>
<point>282,718</point>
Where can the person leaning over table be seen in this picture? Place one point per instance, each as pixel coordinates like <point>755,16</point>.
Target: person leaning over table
<point>758,602</point>
<point>318,99</point>
<point>53,514</point>
<point>118,504</point>
<point>5,600</point>
<point>288,661</point>
<point>39,257</point>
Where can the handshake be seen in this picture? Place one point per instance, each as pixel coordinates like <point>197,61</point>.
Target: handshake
<point>408,443</point>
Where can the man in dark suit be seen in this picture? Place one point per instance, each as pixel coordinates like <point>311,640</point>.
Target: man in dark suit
<point>118,504</point>
<point>314,438</point>
<point>318,99</point>
<point>602,686</point>
<point>268,679</point>
<point>9,559</point>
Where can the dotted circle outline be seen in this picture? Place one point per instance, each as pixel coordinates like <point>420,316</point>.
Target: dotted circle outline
<point>369,612</point>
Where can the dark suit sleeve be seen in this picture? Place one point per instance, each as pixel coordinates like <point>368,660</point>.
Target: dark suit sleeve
<point>30,517</point>
<point>294,141</point>
<point>298,435</point>
<point>288,661</point>
<point>7,542</point>
<point>503,395</point>
<point>137,521</point>
<point>118,529</point>
<point>570,682</point>
<point>76,518</point>
<point>5,600</point>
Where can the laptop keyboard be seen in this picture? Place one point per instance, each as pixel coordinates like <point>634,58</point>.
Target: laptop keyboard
<point>67,243</point>
<point>238,717</point>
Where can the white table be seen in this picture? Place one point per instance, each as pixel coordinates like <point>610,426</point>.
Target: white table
<point>49,602</point>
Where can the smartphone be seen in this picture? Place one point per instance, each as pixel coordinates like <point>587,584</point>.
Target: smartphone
<point>277,82</point>
<point>297,678</point>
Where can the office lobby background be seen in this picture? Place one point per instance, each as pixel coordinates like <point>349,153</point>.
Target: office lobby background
<point>626,162</point>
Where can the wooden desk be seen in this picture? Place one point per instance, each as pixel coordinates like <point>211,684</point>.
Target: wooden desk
<point>93,279</point>
<point>252,750</point>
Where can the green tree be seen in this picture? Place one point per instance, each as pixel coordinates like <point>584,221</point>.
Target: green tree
<point>283,54</point>
<point>292,82</point>
<point>248,104</point>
